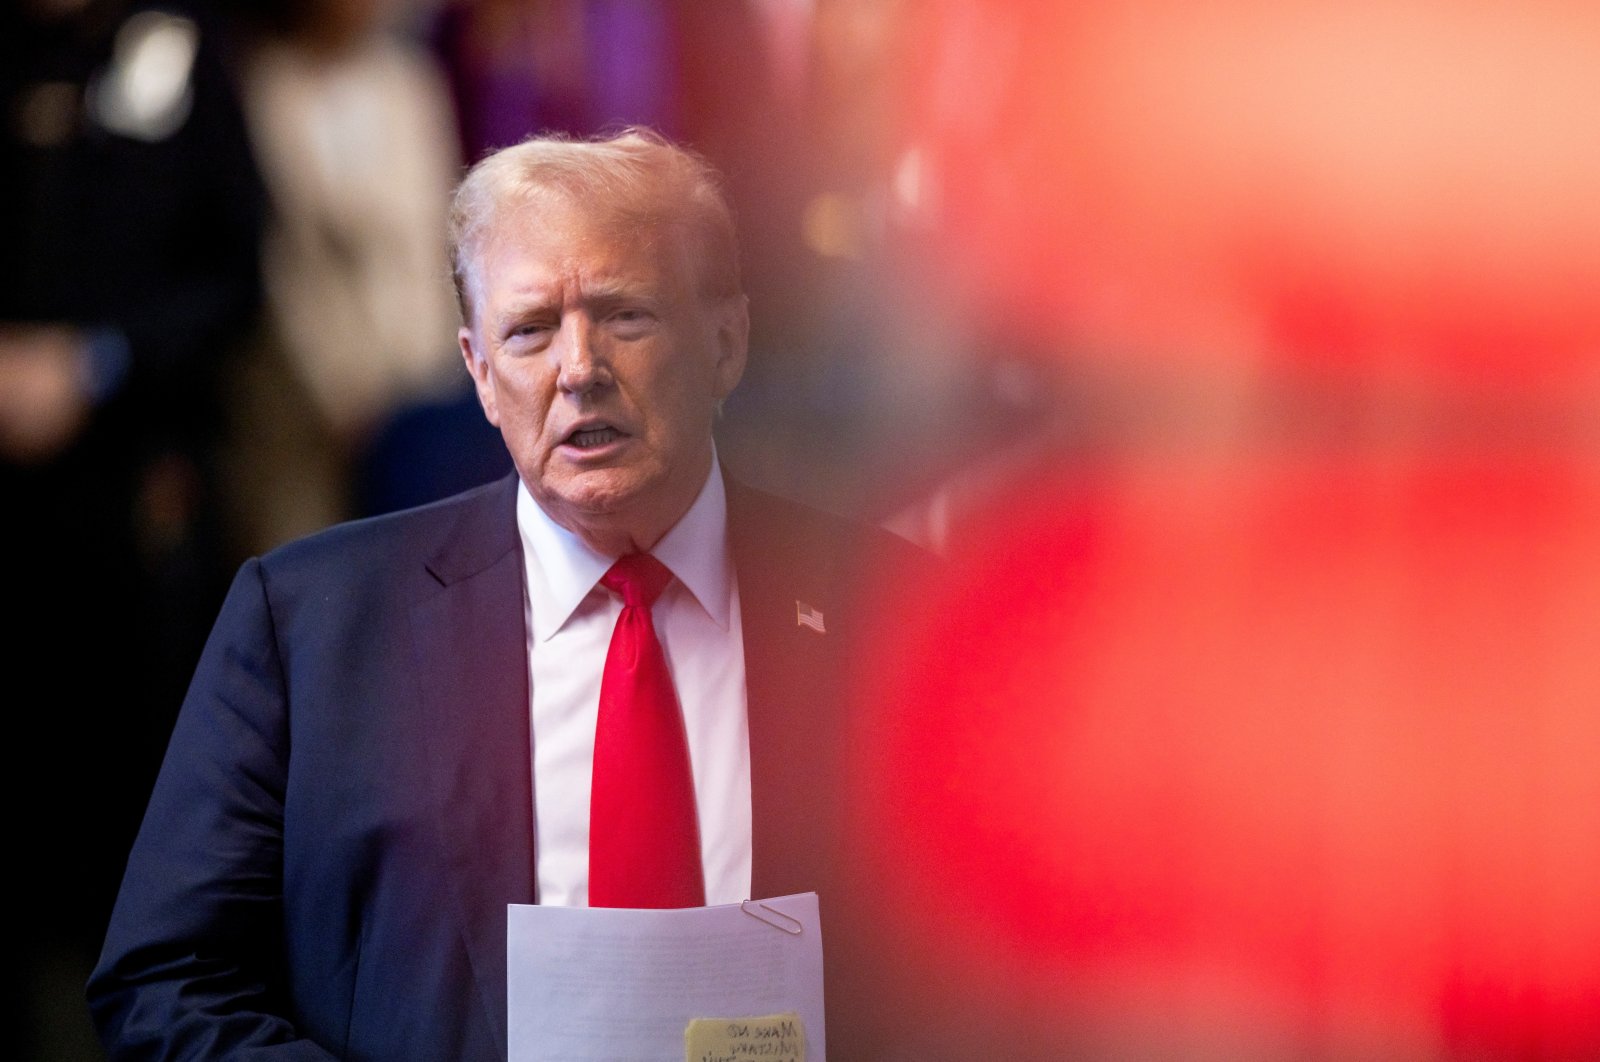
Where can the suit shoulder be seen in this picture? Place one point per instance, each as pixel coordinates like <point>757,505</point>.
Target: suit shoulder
<point>786,529</point>
<point>480,520</point>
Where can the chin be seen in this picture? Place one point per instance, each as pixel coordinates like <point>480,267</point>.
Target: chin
<point>601,493</point>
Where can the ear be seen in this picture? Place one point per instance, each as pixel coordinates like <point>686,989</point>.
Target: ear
<point>478,366</point>
<point>733,343</point>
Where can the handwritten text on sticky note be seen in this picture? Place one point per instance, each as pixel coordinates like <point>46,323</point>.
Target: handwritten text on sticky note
<point>774,1038</point>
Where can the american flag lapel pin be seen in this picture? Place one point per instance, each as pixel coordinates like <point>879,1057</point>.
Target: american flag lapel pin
<point>806,616</point>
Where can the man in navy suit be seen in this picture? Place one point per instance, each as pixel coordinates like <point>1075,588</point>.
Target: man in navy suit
<point>389,736</point>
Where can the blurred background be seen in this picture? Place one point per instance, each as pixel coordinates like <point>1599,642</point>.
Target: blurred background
<point>1242,358</point>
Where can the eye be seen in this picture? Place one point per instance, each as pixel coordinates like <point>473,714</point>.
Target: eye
<point>530,333</point>
<point>630,320</point>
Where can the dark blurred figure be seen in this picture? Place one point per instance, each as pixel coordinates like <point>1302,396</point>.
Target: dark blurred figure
<point>128,240</point>
<point>352,128</point>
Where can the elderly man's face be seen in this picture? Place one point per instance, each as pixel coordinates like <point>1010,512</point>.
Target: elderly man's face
<point>600,361</point>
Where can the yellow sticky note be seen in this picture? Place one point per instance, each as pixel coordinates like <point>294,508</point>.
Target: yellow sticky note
<point>773,1038</point>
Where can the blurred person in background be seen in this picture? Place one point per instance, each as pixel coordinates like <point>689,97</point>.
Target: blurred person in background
<point>129,219</point>
<point>357,144</point>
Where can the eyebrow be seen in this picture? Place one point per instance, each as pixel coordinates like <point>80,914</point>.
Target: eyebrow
<point>519,312</point>
<point>615,290</point>
<point>600,295</point>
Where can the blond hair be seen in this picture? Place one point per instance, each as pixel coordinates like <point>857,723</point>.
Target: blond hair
<point>636,178</point>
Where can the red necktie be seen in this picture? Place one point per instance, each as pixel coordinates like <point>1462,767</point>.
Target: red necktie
<point>644,837</point>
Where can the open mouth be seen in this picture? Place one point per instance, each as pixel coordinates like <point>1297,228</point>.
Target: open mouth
<point>593,438</point>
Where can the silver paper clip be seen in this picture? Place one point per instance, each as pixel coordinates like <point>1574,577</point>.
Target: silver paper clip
<point>777,919</point>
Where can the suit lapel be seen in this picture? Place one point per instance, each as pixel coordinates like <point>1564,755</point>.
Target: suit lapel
<point>471,648</point>
<point>792,685</point>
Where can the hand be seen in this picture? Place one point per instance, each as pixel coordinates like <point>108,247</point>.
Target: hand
<point>43,404</point>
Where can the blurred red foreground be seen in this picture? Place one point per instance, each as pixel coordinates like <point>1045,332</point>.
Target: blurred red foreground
<point>1294,761</point>
<point>1245,749</point>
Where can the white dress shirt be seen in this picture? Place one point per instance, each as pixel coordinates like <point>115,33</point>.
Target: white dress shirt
<point>569,622</point>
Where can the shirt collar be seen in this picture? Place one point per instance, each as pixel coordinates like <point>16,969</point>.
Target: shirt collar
<point>563,569</point>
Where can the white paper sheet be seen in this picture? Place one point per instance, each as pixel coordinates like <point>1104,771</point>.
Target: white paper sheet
<point>590,984</point>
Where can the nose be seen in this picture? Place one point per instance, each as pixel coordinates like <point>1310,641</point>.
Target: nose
<point>582,366</point>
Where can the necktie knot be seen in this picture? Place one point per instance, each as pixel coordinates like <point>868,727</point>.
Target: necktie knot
<point>637,578</point>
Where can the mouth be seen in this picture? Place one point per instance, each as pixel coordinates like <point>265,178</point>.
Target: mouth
<point>592,437</point>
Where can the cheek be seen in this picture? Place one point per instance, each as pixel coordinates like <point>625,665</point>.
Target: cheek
<point>524,400</point>
<point>679,412</point>
<point>692,388</point>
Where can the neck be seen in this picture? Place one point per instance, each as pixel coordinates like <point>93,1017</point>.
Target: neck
<point>616,541</point>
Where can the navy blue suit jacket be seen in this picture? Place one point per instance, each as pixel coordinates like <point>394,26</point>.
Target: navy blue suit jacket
<point>345,809</point>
